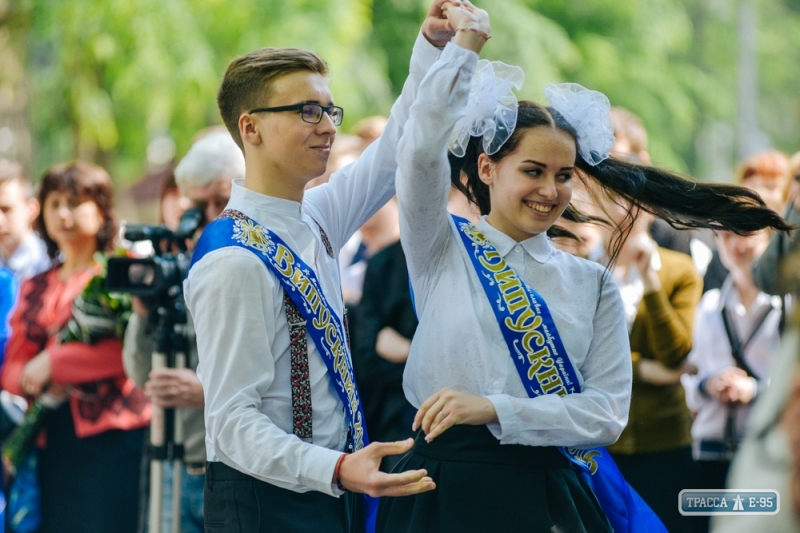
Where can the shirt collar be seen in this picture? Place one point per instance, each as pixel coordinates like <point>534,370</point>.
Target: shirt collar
<point>261,203</point>
<point>31,250</point>
<point>538,246</point>
<point>729,297</point>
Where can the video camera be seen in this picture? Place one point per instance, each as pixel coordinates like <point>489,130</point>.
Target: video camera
<point>153,278</point>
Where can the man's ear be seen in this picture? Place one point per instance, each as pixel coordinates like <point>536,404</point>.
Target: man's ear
<point>248,130</point>
<point>33,208</point>
<point>485,169</point>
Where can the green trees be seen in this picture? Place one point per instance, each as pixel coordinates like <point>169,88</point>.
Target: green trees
<point>103,78</point>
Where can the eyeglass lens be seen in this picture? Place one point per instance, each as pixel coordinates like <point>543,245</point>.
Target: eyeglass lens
<point>313,113</point>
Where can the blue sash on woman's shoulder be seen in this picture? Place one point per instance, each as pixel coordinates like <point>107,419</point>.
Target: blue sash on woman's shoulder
<point>545,368</point>
<point>300,282</point>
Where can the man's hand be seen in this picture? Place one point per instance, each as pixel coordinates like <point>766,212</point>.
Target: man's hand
<point>448,408</point>
<point>175,387</point>
<point>436,28</point>
<point>36,374</point>
<point>360,472</point>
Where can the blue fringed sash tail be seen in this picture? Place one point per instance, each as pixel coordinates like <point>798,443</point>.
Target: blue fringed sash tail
<point>323,325</point>
<point>545,368</point>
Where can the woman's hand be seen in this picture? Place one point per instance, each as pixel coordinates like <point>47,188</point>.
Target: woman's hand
<point>641,248</point>
<point>36,374</point>
<point>655,373</point>
<point>470,23</point>
<point>392,346</point>
<point>732,386</point>
<point>448,408</point>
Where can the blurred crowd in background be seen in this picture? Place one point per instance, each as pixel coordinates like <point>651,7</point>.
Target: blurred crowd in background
<point>716,335</point>
<point>715,347</point>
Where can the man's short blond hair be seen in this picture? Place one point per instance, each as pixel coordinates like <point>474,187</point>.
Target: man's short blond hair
<point>247,80</point>
<point>13,171</point>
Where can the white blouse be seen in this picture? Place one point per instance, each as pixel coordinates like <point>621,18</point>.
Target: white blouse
<point>242,333</point>
<point>711,353</point>
<point>458,343</point>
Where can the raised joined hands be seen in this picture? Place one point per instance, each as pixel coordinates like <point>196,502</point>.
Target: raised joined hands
<point>436,28</point>
<point>470,23</point>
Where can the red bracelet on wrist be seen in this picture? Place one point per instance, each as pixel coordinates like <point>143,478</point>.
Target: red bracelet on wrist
<point>336,471</point>
<point>483,34</point>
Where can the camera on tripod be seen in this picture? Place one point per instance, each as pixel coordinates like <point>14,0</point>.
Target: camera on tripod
<point>153,278</point>
<point>158,281</point>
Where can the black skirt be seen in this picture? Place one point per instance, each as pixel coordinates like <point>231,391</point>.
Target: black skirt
<point>91,484</point>
<point>483,486</point>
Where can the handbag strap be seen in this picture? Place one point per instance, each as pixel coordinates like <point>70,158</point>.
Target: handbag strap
<point>737,346</point>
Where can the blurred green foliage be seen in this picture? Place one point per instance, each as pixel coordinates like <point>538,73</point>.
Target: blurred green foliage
<point>107,76</point>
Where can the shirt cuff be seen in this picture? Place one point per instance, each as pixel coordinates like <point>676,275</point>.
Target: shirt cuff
<point>506,428</point>
<point>319,471</point>
<point>701,387</point>
<point>460,56</point>
<point>425,51</point>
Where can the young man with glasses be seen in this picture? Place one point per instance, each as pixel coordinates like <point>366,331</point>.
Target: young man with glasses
<point>281,409</point>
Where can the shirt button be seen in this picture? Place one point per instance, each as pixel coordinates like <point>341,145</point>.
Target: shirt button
<point>496,384</point>
<point>518,248</point>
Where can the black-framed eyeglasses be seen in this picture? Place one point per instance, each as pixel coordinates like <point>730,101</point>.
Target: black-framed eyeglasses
<point>311,113</point>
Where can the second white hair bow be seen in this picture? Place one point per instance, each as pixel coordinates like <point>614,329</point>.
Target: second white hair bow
<point>589,112</point>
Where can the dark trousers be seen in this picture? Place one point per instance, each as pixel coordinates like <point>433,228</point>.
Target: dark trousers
<point>709,475</point>
<point>238,503</point>
<point>659,477</point>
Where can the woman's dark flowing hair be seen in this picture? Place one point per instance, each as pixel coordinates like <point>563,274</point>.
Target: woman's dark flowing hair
<point>682,202</point>
<point>85,182</point>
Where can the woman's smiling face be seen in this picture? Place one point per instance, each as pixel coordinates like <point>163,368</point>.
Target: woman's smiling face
<point>530,187</point>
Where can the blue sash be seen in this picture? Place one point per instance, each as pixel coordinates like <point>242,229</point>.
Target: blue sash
<point>545,368</point>
<point>323,325</point>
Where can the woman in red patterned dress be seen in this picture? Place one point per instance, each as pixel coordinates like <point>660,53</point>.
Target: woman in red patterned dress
<point>90,453</point>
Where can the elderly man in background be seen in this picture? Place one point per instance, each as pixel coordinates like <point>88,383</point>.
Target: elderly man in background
<point>204,176</point>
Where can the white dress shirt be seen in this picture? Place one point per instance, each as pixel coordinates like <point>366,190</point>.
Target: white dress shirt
<point>30,258</point>
<point>458,343</point>
<point>711,353</point>
<point>242,333</point>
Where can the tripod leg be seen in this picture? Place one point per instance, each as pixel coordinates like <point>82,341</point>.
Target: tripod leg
<point>177,486</point>
<point>177,442</point>
<point>157,444</point>
<point>156,494</point>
